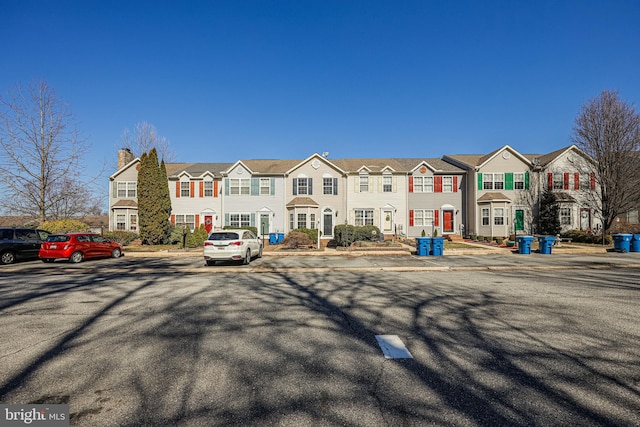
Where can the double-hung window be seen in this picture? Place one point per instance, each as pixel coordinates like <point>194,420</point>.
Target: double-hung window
<point>487,181</point>
<point>121,222</point>
<point>185,189</point>
<point>485,216</point>
<point>447,184</point>
<point>422,218</point>
<point>265,186</point>
<point>565,216</point>
<point>126,189</point>
<point>208,189</point>
<point>518,181</point>
<point>498,181</point>
<point>387,184</point>
<point>302,220</point>
<point>303,186</point>
<point>327,185</point>
<point>240,220</point>
<point>423,184</point>
<point>498,216</point>
<point>364,183</point>
<point>364,217</point>
<point>239,186</point>
<point>188,220</point>
<point>558,180</point>
<point>133,222</point>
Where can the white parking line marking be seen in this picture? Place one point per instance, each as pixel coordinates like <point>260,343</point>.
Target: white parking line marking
<point>393,347</point>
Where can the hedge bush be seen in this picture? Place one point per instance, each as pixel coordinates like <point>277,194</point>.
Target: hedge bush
<point>197,238</point>
<point>581,236</point>
<point>65,226</point>
<point>253,229</point>
<point>345,235</point>
<point>296,240</point>
<point>122,237</point>
<point>312,234</point>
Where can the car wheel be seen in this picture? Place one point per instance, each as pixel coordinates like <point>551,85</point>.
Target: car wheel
<point>247,257</point>
<point>47,260</point>
<point>8,258</point>
<point>76,257</point>
<point>116,253</point>
<point>210,263</point>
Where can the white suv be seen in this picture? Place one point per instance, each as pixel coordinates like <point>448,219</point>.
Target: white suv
<point>232,245</point>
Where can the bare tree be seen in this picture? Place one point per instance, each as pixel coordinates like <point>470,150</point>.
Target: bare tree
<point>40,154</point>
<point>607,129</point>
<point>144,138</point>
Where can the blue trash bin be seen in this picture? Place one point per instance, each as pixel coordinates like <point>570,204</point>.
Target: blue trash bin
<point>524,244</point>
<point>635,243</point>
<point>545,244</point>
<point>280,238</point>
<point>273,239</point>
<point>622,242</point>
<point>423,246</point>
<point>437,246</point>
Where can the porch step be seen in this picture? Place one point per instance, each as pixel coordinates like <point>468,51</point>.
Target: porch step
<point>454,238</point>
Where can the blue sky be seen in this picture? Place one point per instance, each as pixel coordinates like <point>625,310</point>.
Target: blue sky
<point>229,80</point>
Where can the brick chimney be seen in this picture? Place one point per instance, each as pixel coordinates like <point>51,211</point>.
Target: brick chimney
<point>125,156</point>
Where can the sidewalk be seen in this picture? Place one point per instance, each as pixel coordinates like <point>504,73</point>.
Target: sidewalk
<point>405,250</point>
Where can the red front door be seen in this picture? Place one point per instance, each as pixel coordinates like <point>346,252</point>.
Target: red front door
<point>447,219</point>
<point>208,223</point>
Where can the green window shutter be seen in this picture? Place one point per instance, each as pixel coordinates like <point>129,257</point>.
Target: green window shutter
<point>273,186</point>
<point>114,189</point>
<point>253,220</point>
<point>526,180</point>
<point>479,180</point>
<point>508,181</point>
<point>255,186</point>
<point>226,219</point>
<point>226,190</point>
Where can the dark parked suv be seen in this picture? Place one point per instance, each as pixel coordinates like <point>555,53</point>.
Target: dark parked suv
<point>18,243</point>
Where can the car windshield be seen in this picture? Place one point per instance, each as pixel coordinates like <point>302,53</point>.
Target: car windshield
<point>223,236</point>
<point>57,238</point>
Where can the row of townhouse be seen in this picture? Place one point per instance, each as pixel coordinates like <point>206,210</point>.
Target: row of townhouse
<point>490,195</point>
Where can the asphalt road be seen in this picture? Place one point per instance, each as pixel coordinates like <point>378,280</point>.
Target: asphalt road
<point>522,341</point>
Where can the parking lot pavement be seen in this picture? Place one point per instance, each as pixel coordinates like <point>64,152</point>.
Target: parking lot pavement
<point>131,342</point>
<point>193,262</point>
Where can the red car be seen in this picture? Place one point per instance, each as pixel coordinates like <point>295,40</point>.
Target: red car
<point>77,246</point>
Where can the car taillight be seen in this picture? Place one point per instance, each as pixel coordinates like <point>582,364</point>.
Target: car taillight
<point>208,243</point>
<point>235,244</point>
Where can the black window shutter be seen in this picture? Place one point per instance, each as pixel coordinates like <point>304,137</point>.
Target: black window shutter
<point>335,186</point>
<point>295,186</point>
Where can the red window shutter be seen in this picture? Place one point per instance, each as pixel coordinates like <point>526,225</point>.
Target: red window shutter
<point>411,218</point>
<point>437,184</point>
<point>436,218</point>
<point>197,221</point>
<point>576,181</point>
<point>550,181</point>
<point>178,190</point>
<point>192,191</point>
<point>201,189</point>
<point>173,220</point>
<point>592,178</point>
<point>566,180</point>
<point>411,185</point>
<point>455,184</point>
<point>215,189</point>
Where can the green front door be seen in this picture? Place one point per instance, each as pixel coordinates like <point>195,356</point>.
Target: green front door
<point>519,220</point>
